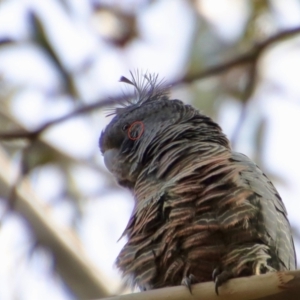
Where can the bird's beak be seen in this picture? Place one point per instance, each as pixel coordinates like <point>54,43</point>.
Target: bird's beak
<point>110,157</point>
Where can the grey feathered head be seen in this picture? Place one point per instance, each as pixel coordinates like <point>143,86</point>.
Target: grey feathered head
<point>148,124</point>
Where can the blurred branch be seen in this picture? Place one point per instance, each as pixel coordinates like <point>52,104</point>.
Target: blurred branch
<point>251,57</point>
<point>71,262</point>
<point>249,89</point>
<point>246,58</point>
<point>79,111</point>
<point>61,156</point>
<point>271,286</point>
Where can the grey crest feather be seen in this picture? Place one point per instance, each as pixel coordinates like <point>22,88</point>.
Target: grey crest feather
<point>147,87</point>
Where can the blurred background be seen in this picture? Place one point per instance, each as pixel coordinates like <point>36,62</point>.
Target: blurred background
<point>61,213</point>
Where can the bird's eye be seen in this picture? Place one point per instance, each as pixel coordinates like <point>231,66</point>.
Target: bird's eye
<point>125,127</point>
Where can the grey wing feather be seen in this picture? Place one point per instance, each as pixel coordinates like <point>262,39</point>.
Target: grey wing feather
<point>273,224</point>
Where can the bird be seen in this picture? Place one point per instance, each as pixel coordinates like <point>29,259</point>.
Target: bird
<point>202,211</point>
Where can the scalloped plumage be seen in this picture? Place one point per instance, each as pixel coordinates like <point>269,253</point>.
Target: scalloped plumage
<point>201,209</point>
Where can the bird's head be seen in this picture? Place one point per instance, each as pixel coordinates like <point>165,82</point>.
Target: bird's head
<point>147,123</point>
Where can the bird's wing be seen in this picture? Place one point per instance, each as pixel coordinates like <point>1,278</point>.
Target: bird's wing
<point>273,224</point>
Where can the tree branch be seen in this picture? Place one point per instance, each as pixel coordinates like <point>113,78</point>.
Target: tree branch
<point>242,59</point>
<point>249,57</point>
<point>271,286</point>
<point>79,111</point>
<point>70,260</point>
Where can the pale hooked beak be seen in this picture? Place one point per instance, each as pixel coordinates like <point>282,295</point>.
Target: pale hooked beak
<point>110,157</point>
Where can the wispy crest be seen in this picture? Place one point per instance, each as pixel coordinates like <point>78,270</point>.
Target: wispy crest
<point>147,87</point>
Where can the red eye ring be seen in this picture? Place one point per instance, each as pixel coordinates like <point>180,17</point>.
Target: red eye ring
<point>130,128</point>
